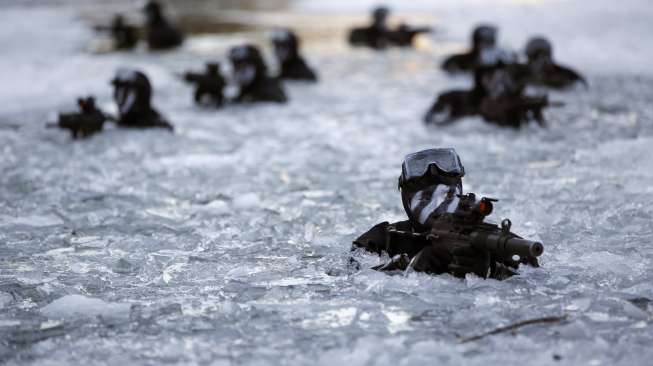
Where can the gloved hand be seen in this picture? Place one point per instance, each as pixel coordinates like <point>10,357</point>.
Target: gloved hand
<point>466,260</point>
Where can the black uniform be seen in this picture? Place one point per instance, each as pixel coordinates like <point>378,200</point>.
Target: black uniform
<point>291,64</point>
<point>208,86</point>
<point>250,73</point>
<point>544,71</point>
<point>430,186</point>
<point>133,93</point>
<point>160,33</point>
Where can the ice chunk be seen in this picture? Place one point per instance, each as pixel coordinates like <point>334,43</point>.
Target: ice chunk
<point>247,201</point>
<point>5,299</point>
<point>72,306</point>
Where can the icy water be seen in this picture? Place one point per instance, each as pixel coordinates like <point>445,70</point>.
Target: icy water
<point>228,241</point>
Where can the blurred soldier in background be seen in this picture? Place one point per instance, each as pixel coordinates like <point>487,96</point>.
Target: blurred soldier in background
<point>498,95</point>
<point>124,36</point>
<point>291,64</point>
<point>542,68</point>
<point>250,73</point>
<point>133,94</point>
<point>208,85</point>
<point>378,36</point>
<point>160,33</point>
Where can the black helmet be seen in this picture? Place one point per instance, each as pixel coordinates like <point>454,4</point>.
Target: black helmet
<point>380,13</point>
<point>286,44</point>
<point>131,82</point>
<point>245,53</point>
<point>484,35</point>
<point>153,11</point>
<point>430,182</point>
<point>284,36</point>
<point>539,47</point>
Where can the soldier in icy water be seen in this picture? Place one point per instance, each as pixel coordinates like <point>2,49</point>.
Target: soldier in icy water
<point>133,93</point>
<point>124,36</point>
<point>160,33</point>
<point>498,95</point>
<point>87,121</point>
<point>250,73</point>
<point>208,85</point>
<point>379,36</point>
<point>445,232</point>
<point>483,37</point>
<point>291,64</point>
<point>542,68</point>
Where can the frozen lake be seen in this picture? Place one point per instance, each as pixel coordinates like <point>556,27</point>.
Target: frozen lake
<point>228,241</point>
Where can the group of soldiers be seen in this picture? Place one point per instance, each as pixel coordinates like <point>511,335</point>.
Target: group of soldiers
<point>500,90</point>
<point>445,231</point>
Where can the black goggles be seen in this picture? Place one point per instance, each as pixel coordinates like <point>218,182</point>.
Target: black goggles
<point>432,166</point>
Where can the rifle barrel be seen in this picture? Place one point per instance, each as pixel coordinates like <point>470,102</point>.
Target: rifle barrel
<point>508,246</point>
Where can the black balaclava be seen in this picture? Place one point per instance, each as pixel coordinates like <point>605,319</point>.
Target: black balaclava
<point>539,52</point>
<point>435,191</point>
<point>286,44</point>
<point>484,36</point>
<point>132,90</point>
<point>248,64</point>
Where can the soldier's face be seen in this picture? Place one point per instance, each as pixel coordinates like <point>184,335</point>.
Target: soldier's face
<point>124,97</point>
<point>244,73</point>
<point>283,51</point>
<point>433,201</point>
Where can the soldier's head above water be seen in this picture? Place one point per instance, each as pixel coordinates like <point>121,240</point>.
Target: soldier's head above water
<point>160,33</point>
<point>539,49</point>
<point>153,12</point>
<point>250,73</point>
<point>430,181</point>
<point>543,68</point>
<point>291,64</point>
<point>286,44</point>
<point>248,64</point>
<point>133,93</point>
<point>484,36</point>
<point>380,15</point>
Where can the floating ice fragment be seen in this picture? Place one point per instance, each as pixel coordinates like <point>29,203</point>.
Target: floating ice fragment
<point>247,201</point>
<point>71,306</point>
<point>5,299</point>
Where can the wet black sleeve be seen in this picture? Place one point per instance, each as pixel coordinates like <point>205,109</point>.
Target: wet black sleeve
<point>569,76</point>
<point>374,240</point>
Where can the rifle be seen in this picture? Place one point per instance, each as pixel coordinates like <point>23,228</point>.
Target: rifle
<point>465,227</point>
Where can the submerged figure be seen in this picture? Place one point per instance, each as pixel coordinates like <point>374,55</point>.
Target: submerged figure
<point>133,94</point>
<point>291,64</point>
<point>124,36</point>
<point>484,37</point>
<point>378,35</point>
<point>542,68</point>
<point>445,231</point>
<point>87,121</point>
<point>160,33</point>
<point>208,85</point>
<point>498,95</point>
<point>250,73</point>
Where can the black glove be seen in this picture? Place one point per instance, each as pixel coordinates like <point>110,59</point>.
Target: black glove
<point>469,260</point>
